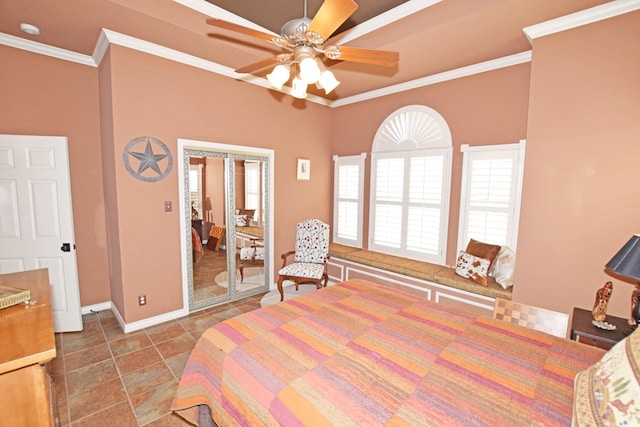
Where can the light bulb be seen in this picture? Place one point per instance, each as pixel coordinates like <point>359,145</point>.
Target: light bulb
<point>327,81</point>
<point>278,76</point>
<point>298,88</point>
<point>309,70</point>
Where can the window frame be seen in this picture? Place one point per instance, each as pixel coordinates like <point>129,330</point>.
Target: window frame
<point>252,173</point>
<point>338,161</point>
<point>413,131</point>
<point>517,151</point>
<point>445,188</point>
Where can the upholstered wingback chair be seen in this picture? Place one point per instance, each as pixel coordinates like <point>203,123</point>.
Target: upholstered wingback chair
<point>309,257</point>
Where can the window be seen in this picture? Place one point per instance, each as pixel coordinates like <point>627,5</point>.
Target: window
<point>252,188</point>
<point>195,190</point>
<point>410,185</point>
<point>491,194</point>
<point>348,184</point>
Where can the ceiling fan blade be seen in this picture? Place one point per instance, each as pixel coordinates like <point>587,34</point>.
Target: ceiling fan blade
<point>331,15</point>
<point>240,29</point>
<point>258,65</point>
<point>368,56</point>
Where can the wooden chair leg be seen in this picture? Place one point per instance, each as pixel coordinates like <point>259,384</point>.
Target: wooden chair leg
<point>280,289</point>
<point>241,268</point>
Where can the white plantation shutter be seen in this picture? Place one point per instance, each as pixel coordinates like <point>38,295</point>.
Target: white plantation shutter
<point>389,181</point>
<point>348,199</point>
<point>252,187</point>
<point>491,193</point>
<point>425,204</point>
<point>195,190</point>
<point>410,185</point>
<point>409,204</point>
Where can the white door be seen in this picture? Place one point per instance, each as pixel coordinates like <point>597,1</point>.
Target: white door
<point>36,219</point>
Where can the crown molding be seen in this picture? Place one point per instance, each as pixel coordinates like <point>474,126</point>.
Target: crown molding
<point>217,12</point>
<point>108,37</point>
<point>584,17</point>
<point>401,11</point>
<point>112,37</point>
<point>482,67</point>
<point>45,49</point>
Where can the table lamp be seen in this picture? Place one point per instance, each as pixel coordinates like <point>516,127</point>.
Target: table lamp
<point>627,263</point>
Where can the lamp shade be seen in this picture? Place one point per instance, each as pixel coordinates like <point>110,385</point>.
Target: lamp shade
<point>327,81</point>
<point>298,88</point>
<point>278,76</point>
<point>627,261</point>
<point>309,70</point>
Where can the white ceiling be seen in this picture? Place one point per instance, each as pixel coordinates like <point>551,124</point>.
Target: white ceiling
<point>432,36</point>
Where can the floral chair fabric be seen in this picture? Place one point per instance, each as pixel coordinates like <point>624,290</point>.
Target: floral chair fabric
<point>312,242</point>
<point>251,256</point>
<point>309,258</point>
<point>252,253</point>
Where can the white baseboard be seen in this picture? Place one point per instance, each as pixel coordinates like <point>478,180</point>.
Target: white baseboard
<point>134,326</point>
<point>96,307</point>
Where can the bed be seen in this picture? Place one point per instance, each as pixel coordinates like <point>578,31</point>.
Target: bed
<point>359,353</point>
<point>196,244</point>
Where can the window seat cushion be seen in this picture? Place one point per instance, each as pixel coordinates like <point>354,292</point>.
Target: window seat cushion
<point>436,273</point>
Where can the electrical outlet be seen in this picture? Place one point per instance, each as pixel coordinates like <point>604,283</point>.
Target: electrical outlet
<point>142,300</point>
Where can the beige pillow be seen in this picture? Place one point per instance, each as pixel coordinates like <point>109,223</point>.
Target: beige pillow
<point>504,266</point>
<point>608,392</point>
<point>472,267</point>
<point>483,250</point>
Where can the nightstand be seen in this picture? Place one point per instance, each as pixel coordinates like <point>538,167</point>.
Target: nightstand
<point>584,331</point>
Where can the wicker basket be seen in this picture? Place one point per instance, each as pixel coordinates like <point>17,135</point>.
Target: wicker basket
<point>12,296</point>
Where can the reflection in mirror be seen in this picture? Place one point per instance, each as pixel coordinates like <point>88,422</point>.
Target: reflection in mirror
<point>226,207</point>
<point>207,204</point>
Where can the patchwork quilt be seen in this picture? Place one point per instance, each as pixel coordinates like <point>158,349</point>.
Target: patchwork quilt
<point>359,353</point>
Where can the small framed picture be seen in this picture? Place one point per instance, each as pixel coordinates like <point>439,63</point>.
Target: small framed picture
<point>304,169</point>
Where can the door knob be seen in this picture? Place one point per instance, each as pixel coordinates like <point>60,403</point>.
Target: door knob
<point>66,247</point>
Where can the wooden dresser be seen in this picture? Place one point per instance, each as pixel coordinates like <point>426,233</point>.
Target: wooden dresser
<point>27,345</point>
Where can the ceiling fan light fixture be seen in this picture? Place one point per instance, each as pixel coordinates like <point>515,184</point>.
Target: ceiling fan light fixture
<point>309,70</point>
<point>327,81</point>
<point>298,88</point>
<point>279,76</point>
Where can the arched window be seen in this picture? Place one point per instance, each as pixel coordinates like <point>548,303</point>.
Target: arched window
<point>410,185</point>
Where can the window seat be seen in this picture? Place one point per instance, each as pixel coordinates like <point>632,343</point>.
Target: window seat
<point>436,273</point>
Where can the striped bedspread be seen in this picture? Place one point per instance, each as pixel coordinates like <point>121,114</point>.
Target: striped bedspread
<point>362,354</point>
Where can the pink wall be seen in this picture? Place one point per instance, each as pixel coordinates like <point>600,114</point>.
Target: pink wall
<point>155,97</point>
<point>46,96</point>
<point>489,108</point>
<point>576,104</point>
<point>581,196</point>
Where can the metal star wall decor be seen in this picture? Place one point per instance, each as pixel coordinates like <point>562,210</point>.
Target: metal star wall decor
<point>147,159</point>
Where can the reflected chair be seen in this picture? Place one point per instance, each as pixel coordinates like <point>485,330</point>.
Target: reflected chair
<point>540,319</point>
<point>251,256</point>
<point>309,257</point>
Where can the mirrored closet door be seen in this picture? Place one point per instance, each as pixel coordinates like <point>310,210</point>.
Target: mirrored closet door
<point>226,208</point>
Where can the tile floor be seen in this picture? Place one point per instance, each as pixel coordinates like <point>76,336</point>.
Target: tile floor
<point>104,377</point>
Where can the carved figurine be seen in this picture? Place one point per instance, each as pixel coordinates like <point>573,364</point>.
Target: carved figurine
<point>635,307</point>
<point>602,301</point>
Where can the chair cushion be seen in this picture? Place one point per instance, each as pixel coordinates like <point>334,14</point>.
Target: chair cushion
<point>303,269</point>
<point>248,253</point>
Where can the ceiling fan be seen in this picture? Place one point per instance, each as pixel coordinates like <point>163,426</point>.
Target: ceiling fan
<point>306,42</point>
